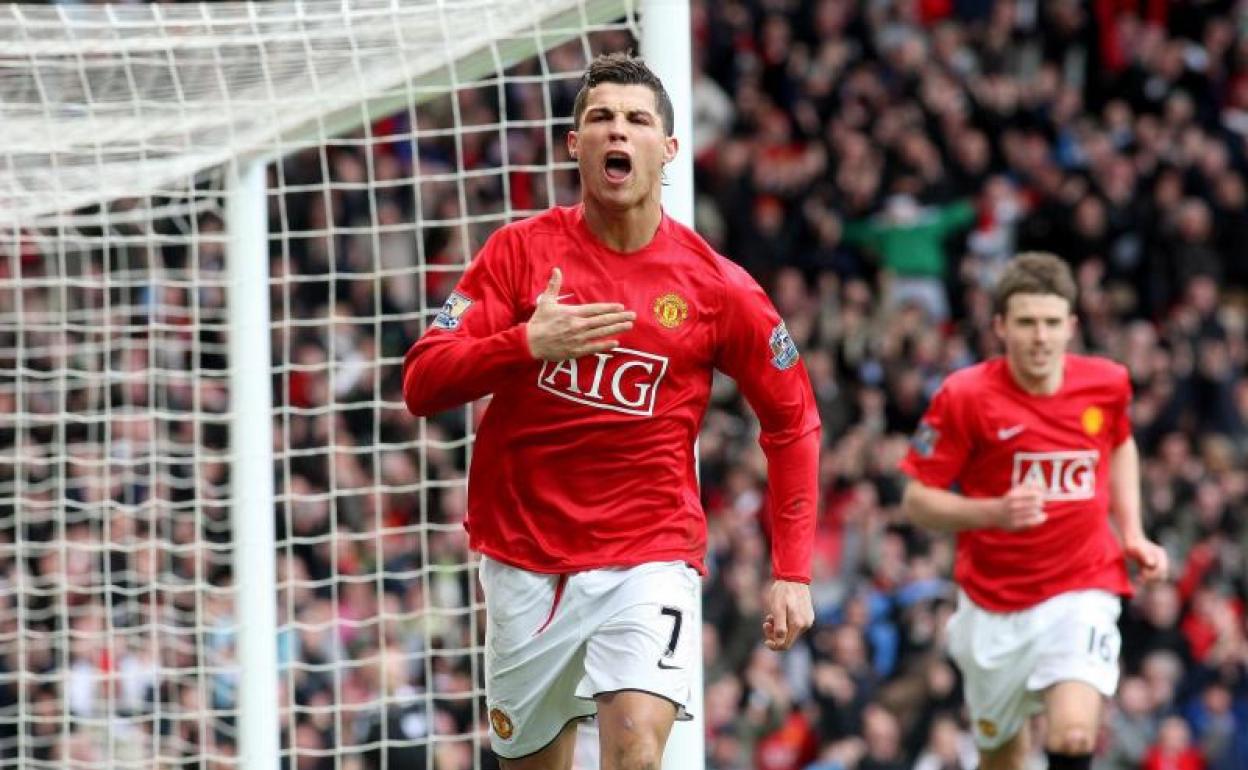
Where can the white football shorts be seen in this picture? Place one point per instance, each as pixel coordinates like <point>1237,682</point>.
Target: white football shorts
<point>1008,659</point>
<point>553,643</point>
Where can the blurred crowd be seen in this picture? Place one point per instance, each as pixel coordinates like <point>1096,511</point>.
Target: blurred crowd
<point>874,164</point>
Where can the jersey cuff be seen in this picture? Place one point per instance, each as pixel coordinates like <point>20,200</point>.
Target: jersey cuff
<point>515,347</point>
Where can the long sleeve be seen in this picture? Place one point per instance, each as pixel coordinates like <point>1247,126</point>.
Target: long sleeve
<point>955,216</point>
<point>755,349</point>
<point>476,340</point>
<point>862,232</point>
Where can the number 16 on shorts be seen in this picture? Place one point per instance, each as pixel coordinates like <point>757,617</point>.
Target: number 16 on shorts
<point>1102,644</point>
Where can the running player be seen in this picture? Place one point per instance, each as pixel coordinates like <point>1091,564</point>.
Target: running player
<point>1028,457</point>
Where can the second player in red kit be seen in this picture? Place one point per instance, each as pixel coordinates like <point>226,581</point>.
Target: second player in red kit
<point>1028,458</point>
<point>985,435</point>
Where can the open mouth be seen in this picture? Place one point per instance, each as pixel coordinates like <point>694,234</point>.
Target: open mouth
<point>618,166</point>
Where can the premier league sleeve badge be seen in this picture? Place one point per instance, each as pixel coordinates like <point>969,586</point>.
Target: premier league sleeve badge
<point>452,312</point>
<point>783,349</point>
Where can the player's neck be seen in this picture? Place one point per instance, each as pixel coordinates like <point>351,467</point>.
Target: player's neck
<point>1043,386</point>
<point>624,230</point>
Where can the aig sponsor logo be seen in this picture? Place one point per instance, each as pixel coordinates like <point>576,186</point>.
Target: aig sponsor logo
<point>1062,475</point>
<point>621,380</point>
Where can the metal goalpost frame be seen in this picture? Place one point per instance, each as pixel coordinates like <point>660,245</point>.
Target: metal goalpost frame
<point>251,466</point>
<point>666,46</point>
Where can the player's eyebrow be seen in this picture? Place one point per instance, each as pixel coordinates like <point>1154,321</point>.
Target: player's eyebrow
<point>630,112</point>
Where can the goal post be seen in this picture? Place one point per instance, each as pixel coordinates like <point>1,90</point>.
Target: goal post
<point>251,466</point>
<point>221,224</point>
<point>665,45</point>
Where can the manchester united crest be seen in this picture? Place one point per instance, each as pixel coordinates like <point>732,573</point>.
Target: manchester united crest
<point>501,723</point>
<point>671,310</point>
<point>1093,420</point>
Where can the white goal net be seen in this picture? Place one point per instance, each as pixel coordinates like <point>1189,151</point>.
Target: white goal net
<point>396,135</point>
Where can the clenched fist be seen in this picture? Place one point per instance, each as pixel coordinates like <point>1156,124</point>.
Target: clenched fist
<point>1021,508</point>
<point>789,612</point>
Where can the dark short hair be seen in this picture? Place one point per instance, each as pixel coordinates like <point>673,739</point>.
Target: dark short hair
<point>627,70</point>
<point>1035,272</point>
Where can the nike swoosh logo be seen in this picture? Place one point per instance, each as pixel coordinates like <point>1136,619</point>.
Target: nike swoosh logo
<point>560,298</point>
<point>667,666</point>
<point>1005,434</point>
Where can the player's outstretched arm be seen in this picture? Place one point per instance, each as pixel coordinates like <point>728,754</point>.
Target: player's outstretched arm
<point>1124,505</point>
<point>789,613</point>
<point>939,509</point>
<point>558,332</point>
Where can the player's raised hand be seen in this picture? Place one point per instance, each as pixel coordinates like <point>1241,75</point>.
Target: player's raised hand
<point>789,612</point>
<point>557,332</point>
<point>1021,508</point>
<point>1152,558</point>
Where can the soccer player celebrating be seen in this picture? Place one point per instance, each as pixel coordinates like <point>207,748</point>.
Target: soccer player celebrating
<point>596,328</point>
<point>1038,446</point>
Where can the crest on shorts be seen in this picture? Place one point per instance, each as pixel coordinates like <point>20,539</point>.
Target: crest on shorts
<point>924,441</point>
<point>671,310</point>
<point>501,723</point>
<point>452,311</point>
<point>1093,420</point>
<point>783,349</point>
<point>986,727</point>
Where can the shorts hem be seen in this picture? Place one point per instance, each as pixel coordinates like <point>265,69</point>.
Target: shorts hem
<point>541,748</point>
<point>682,713</point>
<point>995,744</point>
<point>1105,689</point>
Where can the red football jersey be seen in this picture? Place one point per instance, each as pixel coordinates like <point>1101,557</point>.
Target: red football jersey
<point>983,434</point>
<point>590,462</point>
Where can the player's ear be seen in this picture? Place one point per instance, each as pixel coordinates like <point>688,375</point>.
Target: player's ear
<point>998,326</point>
<point>572,142</point>
<point>670,146</point>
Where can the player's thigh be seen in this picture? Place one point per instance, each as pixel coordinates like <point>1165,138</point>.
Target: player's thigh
<point>632,729</point>
<point>1073,712</point>
<point>519,604</point>
<point>534,660</point>
<point>1077,667</point>
<point>1011,755</point>
<point>1080,644</point>
<point>555,756</point>
<point>645,635</point>
<point>995,654</point>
